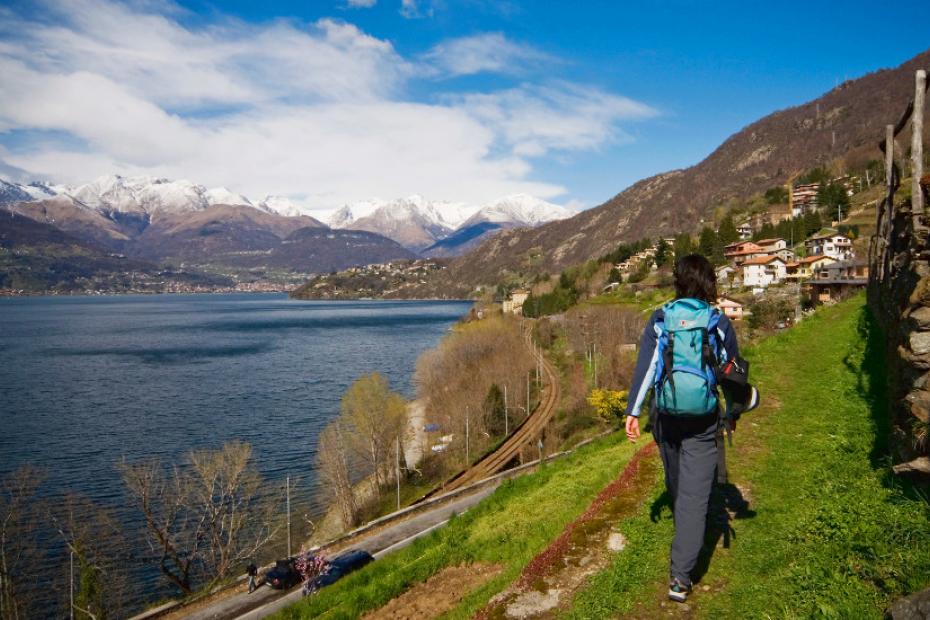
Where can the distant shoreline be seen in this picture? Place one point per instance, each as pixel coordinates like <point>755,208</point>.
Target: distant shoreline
<point>8,294</point>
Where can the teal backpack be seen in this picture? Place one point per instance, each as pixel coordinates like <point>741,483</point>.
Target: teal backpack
<point>688,355</point>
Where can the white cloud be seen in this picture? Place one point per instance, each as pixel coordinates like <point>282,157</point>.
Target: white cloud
<point>313,111</point>
<point>362,4</point>
<point>533,120</point>
<point>488,52</point>
<point>412,9</point>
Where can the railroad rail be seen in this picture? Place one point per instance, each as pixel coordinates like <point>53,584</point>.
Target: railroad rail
<point>529,431</point>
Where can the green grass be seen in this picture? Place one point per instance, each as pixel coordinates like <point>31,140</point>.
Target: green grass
<point>509,528</point>
<point>833,535</point>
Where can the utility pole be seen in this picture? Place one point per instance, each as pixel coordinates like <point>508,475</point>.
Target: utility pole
<point>506,422</point>
<point>527,395</point>
<point>595,365</point>
<point>71,588</point>
<point>288,493</point>
<point>467,451</point>
<point>536,355</point>
<point>397,466</point>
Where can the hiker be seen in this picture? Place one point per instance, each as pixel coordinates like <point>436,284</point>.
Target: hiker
<point>680,350</point>
<point>252,571</point>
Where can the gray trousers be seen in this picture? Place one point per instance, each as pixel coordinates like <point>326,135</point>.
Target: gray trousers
<point>688,447</point>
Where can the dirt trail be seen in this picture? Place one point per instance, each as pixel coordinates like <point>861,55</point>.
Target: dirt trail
<point>548,583</point>
<point>436,595</point>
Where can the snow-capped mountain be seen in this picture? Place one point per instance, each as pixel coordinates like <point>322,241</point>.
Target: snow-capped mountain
<point>414,222</point>
<point>14,192</point>
<point>518,210</point>
<point>223,196</point>
<point>342,218</point>
<point>282,205</point>
<point>141,195</point>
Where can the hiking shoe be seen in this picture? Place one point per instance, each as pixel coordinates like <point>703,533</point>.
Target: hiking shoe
<point>677,591</point>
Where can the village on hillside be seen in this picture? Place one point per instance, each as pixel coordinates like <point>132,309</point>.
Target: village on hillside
<point>801,270</point>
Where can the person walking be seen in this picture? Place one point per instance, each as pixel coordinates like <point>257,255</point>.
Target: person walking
<point>252,571</point>
<point>680,350</point>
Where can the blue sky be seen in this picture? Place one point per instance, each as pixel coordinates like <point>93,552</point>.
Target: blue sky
<point>329,103</point>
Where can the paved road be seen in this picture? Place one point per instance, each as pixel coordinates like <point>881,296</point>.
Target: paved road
<point>379,542</point>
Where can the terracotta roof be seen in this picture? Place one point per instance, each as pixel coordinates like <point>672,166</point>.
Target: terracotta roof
<point>757,250</point>
<point>827,235</point>
<point>762,260</point>
<point>814,259</point>
<point>769,241</point>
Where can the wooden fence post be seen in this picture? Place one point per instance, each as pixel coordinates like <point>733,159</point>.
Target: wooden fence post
<point>917,142</point>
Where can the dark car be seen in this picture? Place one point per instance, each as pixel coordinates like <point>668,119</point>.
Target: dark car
<point>284,575</point>
<point>338,568</point>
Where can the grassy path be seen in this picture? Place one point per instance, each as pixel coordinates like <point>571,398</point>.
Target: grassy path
<point>827,533</point>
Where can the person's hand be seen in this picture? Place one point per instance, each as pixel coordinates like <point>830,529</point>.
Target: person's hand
<point>632,428</point>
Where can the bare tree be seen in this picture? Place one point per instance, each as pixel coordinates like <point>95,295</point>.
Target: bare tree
<point>19,549</point>
<point>95,538</point>
<point>376,417</point>
<point>333,463</point>
<point>453,379</point>
<point>202,519</point>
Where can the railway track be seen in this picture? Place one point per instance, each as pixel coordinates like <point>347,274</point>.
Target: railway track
<point>529,431</point>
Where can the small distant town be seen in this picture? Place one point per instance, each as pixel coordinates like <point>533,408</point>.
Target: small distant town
<point>389,279</point>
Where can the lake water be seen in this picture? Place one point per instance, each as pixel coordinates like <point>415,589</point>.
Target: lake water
<point>86,381</point>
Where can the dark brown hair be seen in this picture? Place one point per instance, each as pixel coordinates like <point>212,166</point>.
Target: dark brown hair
<point>695,278</point>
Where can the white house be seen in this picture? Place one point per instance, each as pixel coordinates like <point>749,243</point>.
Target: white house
<point>830,244</point>
<point>763,270</point>
<point>745,230</point>
<point>776,247</point>
<point>514,305</point>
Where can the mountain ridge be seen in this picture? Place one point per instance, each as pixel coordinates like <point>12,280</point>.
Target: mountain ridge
<point>845,124</point>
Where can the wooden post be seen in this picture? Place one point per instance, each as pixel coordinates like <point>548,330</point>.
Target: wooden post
<point>889,176</point>
<point>917,142</point>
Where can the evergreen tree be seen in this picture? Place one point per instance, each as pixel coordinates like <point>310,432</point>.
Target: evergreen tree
<point>718,257</point>
<point>706,242</point>
<point>494,410</point>
<point>833,199</point>
<point>614,276</point>
<point>727,231</point>
<point>767,231</point>
<point>662,256</point>
<point>683,245</point>
<point>812,223</point>
<point>776,195</point>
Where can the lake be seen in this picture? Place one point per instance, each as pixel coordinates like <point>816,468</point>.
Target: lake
<point>86,381</point>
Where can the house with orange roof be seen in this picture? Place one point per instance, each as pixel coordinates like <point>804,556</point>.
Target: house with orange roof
<point>777,247</point>
<point>761,271</point>
<point>803,268</point>
<point>738,253</point>
<point>731,308</point>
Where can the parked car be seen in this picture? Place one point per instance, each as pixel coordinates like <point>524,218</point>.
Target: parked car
<point>338,568</point>
<point>283,576</point>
